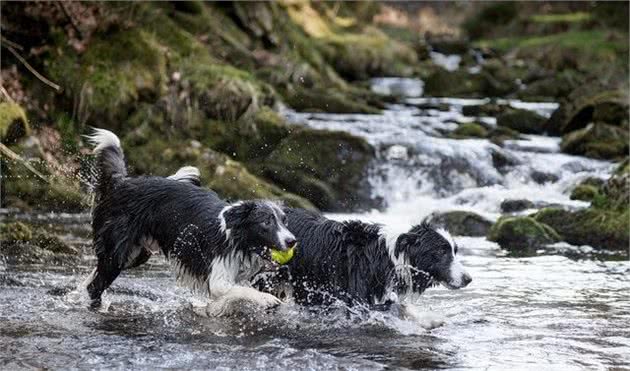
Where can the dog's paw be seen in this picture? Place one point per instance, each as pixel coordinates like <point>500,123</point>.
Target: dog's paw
<point>267,301</point>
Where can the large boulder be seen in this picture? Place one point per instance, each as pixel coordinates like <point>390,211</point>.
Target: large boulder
<point>461,223</point>
<point>589,103</point>
<point>597,140</point>
<point>597,227</point>
<point>522,234</point>
<point>523,121</point>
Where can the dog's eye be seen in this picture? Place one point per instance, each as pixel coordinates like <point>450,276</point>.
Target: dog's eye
<point>265,223</point>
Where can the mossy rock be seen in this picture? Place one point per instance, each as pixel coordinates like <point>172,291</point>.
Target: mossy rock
<point>15,232</point>
<point>597,140</point>
<point>597,227</point>
<point>13,123</point>
<point>588,103</point>
<point>325,100</point>
<point>336,159</point>
<point>499,134</point>
<point>523,121</point>
<point>470,130</point>
<point>461,223</point>
<point>551,88</point>
<point>117,70</point>
<point>53,243</point>
<point>584,192</point>
<point>522,234</point>
<point>459,83</point>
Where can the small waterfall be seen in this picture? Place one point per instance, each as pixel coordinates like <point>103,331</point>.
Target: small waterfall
<point>419,169</point>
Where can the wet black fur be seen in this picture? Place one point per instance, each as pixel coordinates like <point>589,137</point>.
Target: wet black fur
<point>349,260</point>
<point>181,217</point>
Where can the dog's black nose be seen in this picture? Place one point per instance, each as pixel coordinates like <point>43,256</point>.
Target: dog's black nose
<point>290,242</point>
<point>467,279</point>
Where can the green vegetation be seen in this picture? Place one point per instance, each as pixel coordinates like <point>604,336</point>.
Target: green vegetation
<point>562,18</point>
<point>13,123</point>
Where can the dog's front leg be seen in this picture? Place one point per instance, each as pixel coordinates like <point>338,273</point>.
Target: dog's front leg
<point>228,299</point>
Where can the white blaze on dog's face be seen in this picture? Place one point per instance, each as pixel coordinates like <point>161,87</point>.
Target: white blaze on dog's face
<point>457,277</point>
<point>259,224</point>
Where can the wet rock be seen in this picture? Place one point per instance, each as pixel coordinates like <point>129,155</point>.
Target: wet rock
<point>590,102</point>
<point>489,109</point>
<point>542,177</point>
<point>550,88</point>
<point>617,189</point>
<point>502,159</point>
<point>597,227</point>
<point>500,134</point>
<point>522,234</point>
<point>20,245</point>
<point>523,121</point>
<point>461,223</point>
<point>597,140</point>
<point>13,123</point>
<point>325,100</point>
<point>513,206</point>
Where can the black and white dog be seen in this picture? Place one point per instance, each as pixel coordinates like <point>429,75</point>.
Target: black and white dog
<point>216,247</point>
<point>363,263</point>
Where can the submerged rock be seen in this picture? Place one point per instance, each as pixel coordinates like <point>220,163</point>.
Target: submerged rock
<point>461,223</point>
<point>597,140</point>
<point>522,233</point>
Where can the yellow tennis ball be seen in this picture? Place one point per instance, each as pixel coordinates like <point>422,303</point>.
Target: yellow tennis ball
<point>282,257</point>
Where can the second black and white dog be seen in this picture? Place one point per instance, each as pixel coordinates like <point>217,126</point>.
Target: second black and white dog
<point>363,263</point>
<point>215,246</point>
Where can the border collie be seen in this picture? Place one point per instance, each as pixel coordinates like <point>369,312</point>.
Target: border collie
<point>363,263</point>
<point>216,247</point>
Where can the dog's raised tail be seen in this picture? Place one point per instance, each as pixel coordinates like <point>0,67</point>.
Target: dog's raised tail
<point>110,159</point>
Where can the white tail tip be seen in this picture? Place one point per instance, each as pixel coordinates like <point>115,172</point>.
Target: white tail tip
<point>186,173</point>
<point>101,138</point>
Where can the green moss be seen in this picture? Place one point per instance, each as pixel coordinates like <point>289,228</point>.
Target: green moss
<point>15,232</point>
<point>518,233</point>
<point>470,130</point>
<point>584,192</point>
<point>53,243</point>
<point>13,123</point>
<point>600,228</point>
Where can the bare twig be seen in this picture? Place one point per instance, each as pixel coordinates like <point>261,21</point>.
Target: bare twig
<point>5,94</point>
<point>13,44</point>
<point>4,150</point>
<point>70,19</point>
<point>29,67</point>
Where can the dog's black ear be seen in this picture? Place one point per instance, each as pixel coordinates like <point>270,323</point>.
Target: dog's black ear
<point>405,242</point>
<point>235,215</point>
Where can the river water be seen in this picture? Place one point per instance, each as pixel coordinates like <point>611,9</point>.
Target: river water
<point>541,312</point>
